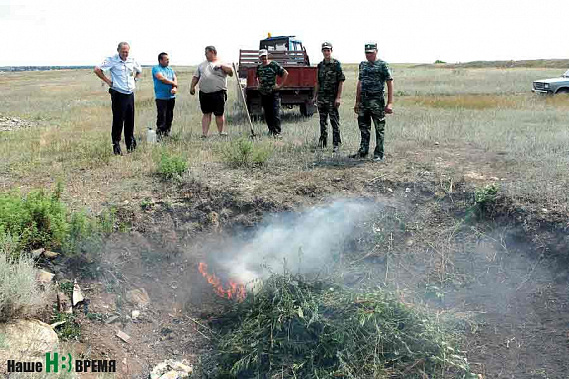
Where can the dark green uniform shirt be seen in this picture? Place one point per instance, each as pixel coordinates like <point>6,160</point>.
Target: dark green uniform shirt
<point>330,75</point>
<point>267,76</point>
<point>373,76</point>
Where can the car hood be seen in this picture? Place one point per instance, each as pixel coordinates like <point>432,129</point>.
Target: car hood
<point>553,80</point>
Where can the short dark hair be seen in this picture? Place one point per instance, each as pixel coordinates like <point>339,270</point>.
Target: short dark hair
<point>160,56</point>
<point>211,48</point>
<point>121,44</point>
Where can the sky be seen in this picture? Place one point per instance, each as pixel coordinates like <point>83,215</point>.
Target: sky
<point>58,32</point>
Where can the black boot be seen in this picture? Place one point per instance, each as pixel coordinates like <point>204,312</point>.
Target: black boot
<point>117,148</point>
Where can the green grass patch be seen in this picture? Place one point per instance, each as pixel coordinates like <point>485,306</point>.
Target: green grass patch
<point>295,328</point>
<point>171,165</point>
<point>243,152</point>
<point>70,330</point>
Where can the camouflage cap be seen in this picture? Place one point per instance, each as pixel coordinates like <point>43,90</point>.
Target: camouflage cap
<point>370,47</point>
<point>263,52</point>
<point>326,45</point>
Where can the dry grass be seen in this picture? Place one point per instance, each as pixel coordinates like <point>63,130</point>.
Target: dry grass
<point>20,293</point>
<point>462,101</point>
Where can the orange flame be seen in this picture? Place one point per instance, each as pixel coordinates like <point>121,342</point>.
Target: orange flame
<point>235,291</point>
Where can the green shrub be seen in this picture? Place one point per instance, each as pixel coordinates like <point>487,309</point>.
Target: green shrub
<point>171,165</point>
<point>20,292</point>
<point>293,328</point>
<point>37,219</point>
<point>245,153</point>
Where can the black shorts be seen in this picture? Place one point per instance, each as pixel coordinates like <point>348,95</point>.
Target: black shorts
<point>213,102</point>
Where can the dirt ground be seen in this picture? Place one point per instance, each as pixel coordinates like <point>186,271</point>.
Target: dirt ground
<point>503,276</point>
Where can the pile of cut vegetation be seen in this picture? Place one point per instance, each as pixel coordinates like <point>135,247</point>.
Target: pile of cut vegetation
<point>293,327</point>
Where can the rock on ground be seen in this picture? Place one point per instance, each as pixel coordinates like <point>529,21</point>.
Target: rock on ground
<point>26,340</point>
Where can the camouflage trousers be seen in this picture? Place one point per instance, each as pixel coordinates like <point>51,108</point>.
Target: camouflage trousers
<point>372,109</point>
<point>327,109</point>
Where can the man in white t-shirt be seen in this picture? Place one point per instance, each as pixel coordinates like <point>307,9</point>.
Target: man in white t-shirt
<point>211,76</point>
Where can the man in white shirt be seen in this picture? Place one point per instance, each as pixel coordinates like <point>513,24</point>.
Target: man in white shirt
<point>212,78</point>
<point>124,72</point>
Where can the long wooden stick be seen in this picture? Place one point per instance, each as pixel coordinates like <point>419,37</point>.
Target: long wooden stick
<point>242,96</point>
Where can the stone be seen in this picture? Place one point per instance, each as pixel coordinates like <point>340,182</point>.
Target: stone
<point>170,369</point>
<point>171,375</point>
<point>44,277</point>
<point>37,252</point>
<point>123,336</point>
<point>26,340</point>
<point>50,254</point>
<point>138,297</point>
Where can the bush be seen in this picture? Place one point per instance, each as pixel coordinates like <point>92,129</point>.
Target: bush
<point>245,153</point>
<point>37,219</point>
<point>20,293</point>
<point>292,328</point>
<point>40,220</point>
<point>171,165</point>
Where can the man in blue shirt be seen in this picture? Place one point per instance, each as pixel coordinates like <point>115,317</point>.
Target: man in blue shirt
<point>165,88</point>
<point>124,72</point>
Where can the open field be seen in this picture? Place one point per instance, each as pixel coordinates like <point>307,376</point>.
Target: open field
<point>467,218</point>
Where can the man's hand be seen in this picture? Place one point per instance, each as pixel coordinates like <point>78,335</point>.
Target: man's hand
<point>192,91</point>
<point>389,108</point>
<point>110,83</point>
<point>357,108</point>
<point>315,99</point>
<point>277,87</point>
<point>174,90</point>
<point>337,102</point>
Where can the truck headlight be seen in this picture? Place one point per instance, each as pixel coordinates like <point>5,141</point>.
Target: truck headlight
<point>546,86</point>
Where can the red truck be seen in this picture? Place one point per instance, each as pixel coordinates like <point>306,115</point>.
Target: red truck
<point>301,81</point>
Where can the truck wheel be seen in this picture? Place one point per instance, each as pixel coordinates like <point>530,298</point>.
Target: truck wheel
<point>563,91</point>
<point>307,109</point>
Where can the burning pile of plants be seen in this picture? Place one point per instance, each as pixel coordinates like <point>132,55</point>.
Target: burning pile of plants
<point>293,327</point>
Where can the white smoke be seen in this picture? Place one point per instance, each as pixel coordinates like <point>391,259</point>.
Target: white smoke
<point>304,242</point>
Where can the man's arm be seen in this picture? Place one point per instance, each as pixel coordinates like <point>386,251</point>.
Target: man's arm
<point>193,85</point>
<point>284,76</point>
<point>159,76</point>
<point>316,88</point>
<point>227,69</point>
<point>339,94</point>
<point>389,105</point>
<point>138,69</point>
<point>358,96</point>
<point>102,76</point>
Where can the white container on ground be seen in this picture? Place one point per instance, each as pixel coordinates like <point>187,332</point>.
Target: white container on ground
<point>151,136</point>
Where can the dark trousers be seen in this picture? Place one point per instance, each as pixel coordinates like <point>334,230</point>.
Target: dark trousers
<point>271,104</point>
<point>123,114</point>
<point>372,109</point>
<point>326,108</point>
<point>165,114</point>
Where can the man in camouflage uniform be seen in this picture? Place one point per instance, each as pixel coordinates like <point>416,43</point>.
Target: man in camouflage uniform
<point>370,101</point>
<point>266,75</point>
<point>328,93</point>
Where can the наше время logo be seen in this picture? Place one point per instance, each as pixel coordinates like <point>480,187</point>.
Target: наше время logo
<point>55,363</point>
